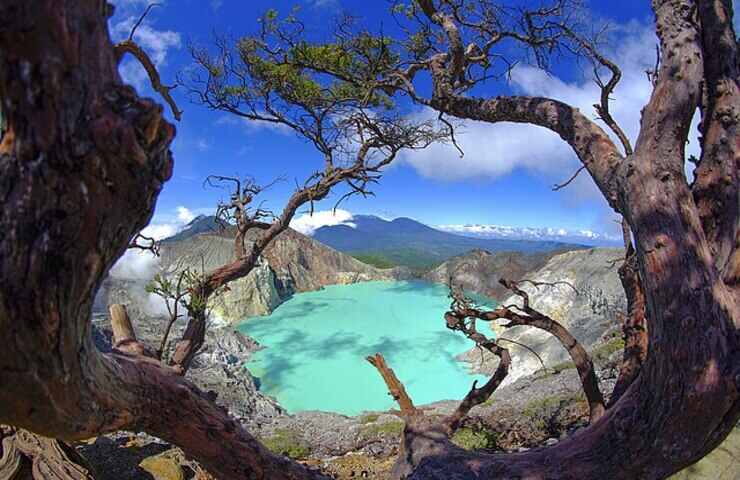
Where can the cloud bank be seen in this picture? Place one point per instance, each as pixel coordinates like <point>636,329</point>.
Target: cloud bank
<point>307,224</point>
<point>494,150</point>
<point>141,264</point>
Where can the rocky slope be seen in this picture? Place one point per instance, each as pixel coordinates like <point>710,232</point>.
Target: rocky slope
<point>587,303</point>
<point>479,270</point>
<point>533,409</point>
<point>292,263</point>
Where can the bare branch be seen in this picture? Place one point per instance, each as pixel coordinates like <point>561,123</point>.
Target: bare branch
<point>560,186</point>
<point>129,46</point>
<point>145,243</point>
<point>395,387</point>
<point>462,309</point>
<point>141,19</point>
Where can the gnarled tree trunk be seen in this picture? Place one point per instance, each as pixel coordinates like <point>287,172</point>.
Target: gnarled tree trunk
<point>684,400</point>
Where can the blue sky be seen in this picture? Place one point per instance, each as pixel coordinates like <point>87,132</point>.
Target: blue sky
<point>505,177</point>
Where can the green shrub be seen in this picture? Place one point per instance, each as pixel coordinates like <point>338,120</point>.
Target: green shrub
<point>489,402</point>
<point>377,261</point>
<point>385,428</point>
<point>542,409</point>
<point>471,439</point>
<point>286,442</point>
<point>603,352</point>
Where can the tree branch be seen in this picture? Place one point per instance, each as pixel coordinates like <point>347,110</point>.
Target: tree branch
<point>462,308</point>
<point>395,387</point>
<point>129,46</point>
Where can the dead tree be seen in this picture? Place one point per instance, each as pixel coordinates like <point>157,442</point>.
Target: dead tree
<point>463,317</point>
<point>680,399</point>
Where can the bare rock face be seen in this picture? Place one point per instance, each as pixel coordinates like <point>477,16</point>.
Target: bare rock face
<point>723,463</point>
<point>302,264</point>
<point>479,271</point>
<point>585,297</point>
<point>292,263</point>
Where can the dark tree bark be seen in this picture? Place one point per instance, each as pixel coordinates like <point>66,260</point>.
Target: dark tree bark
<point>24,455</point>
<point>633,326</point>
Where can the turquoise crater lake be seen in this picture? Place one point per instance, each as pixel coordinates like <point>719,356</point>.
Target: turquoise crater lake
<point>316,344</point>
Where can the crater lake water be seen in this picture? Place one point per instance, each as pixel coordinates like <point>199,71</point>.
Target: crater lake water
<point>316,344</point>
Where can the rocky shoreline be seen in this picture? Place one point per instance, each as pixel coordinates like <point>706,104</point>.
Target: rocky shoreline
<point>535,410</point>
<point>536,407</point>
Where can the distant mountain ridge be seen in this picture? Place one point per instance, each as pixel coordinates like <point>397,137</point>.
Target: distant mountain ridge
<point>413,244</point>
<point>582,236</point>
<point>196,226</point>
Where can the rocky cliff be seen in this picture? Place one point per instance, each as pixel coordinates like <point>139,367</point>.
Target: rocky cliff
<point>479,270</point>
<point>587,303</point>
<point>292,263</point>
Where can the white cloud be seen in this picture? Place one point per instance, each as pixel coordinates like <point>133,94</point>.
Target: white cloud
<point>135,265</point>
<point>323,3</point>
<point>494,150</point>
<point>255,126</point>
<point>185,215</point>
<point>307,224</point>
<point>141,264</point>
<point>202,145</point>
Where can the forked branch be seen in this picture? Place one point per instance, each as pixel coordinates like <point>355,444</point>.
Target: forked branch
<point>130,46</point>
<point>462,308</point>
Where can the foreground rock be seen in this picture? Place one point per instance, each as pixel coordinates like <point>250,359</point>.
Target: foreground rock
<point>531,412</point>
<point>218,368</point>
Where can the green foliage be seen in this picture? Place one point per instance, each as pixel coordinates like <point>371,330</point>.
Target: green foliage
<point>416,259</point>
<point>377,261</point>
<point>286,442</point>
<point>599,354</point>
<point>542,409</point>
<point>603,352</point>
<point>369,418</point>
<point>473,439</point>
<point>489,402</point>
<point>386,428</point>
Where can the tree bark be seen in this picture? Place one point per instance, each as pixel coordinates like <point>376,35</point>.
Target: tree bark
<point>633,327</point>
<point>25,455</point>
<point>395,387</point>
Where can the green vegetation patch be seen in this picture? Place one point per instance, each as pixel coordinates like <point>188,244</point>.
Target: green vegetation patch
<point>489,402</point>
<point>542,409</point>
<point>418,260</point>
<point>377,261</point>
<point>473,439</point>
<point>603,352</point>
<point>379,429</point>
<point>287,442</point>
<point>598,355</point>
<point>369,418</point>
